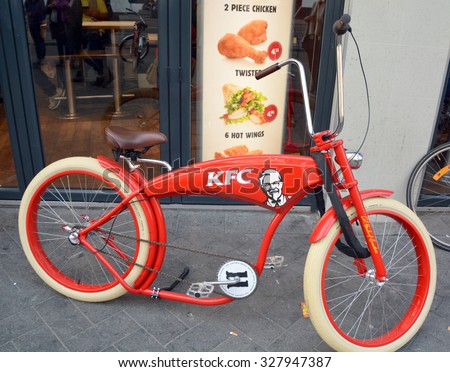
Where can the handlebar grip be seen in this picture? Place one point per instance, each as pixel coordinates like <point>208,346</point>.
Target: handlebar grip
<point>341,26</point>
<point>267,71</point>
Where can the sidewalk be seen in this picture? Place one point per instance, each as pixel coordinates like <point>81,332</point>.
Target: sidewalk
<point>33,317</point>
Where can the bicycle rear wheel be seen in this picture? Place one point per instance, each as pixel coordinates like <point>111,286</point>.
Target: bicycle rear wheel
<point>62,199</point>
<point>428,194</point>
<point>349,308</point>
<point>127,52</point>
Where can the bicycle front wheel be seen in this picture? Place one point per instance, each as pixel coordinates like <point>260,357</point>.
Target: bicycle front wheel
<point>128,53</point>
<point>428,194</point>
<point>62,199</point>
<point>349,308</point>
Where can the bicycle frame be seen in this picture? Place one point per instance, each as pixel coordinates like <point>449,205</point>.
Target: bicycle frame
<point>240,178</point>
<point>274,182</point>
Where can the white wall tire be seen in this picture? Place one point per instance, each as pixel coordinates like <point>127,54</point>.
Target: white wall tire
<point>35,244</point>
<point>330,315</point>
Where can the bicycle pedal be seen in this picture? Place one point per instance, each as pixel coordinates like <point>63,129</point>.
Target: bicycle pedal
<point>273,262</point>
<point>200,290</point>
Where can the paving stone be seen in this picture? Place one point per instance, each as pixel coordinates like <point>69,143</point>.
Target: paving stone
<point>299,337</point>
<point>189,314</point>
<point>18,324</point>
<point>437,326</point>
<point>103,335</point>
<point>9,214</point>
<point>194,220</point>
<point>239,222</point>
<point>425,341</point>
<point>442,307</point>
<point>61,315</point>
<point>8,348</point>
<point>285,312</point>
<point>171,217</point>
<point>39,339</point>
<point>157,321</point>
<point>255,325</point>
<point>99,311</point>
<point>139,341</point>
<point>204,337</point>
<point>239,342</point>
<point>10,240</point>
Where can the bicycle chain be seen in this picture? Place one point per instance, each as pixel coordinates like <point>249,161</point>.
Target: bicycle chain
<point>165,245</point>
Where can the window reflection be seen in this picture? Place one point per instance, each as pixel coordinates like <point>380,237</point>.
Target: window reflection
<point>85,72</point>
<point>7,171</point>
<point>443,120</point>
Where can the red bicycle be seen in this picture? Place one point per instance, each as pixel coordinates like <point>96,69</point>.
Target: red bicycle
<point>93,230</point>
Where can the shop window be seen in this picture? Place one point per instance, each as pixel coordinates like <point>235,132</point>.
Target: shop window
<point>443,120</point>
<point>86,76</point>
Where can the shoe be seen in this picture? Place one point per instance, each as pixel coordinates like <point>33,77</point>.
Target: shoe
<point>108,79</point>
<point>55,101</point>
<point>98,82</point>
<point>78,77</point>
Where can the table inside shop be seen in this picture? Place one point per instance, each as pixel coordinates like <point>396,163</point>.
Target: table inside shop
<point>113,27</point>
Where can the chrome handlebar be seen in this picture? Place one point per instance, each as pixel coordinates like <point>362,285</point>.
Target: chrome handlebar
<point>291,61</point>
<point>340,27</point>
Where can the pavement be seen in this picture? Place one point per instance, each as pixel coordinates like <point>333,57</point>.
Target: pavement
<point>33,317</point>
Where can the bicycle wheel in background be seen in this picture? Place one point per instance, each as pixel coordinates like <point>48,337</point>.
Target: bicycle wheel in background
<point>428,194</point>
<point>353,311</point>
<point>126,49</point>
<point>65,197</point>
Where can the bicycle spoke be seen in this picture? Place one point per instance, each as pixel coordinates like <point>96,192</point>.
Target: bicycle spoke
<point>369,311</point>
<point>429,196</point>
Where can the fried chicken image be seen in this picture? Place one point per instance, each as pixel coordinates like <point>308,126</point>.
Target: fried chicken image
<point>254,32</point>
<point>238,150</point>
<point>234,46</point>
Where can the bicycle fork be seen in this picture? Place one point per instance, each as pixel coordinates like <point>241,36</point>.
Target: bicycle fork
<point>322,155</point>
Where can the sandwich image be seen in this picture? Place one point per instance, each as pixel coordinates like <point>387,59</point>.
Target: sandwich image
<point>243,104</point>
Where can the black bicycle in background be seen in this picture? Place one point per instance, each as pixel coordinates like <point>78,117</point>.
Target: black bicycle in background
<point>428,190</point>
<point>134,47</point>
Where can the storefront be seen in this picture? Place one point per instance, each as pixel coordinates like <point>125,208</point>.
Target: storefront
<point>184,86</point>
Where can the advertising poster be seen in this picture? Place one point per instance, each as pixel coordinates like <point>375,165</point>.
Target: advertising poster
<point>239,114</point>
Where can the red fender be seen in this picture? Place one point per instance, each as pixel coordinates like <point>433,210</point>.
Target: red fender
<point>330,217</point>
<point>155,218</point>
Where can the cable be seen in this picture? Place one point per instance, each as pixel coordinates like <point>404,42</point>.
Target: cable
<point>367,91</point>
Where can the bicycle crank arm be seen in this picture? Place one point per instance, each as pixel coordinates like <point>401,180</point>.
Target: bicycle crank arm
<point>204,289</point>
<point>234,280</point>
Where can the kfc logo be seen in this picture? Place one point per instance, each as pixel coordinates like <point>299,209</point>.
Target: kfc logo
<point>271,183</point>
<point>222,178</point>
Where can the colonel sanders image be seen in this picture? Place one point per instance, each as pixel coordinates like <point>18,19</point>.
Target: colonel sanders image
<point>271,183</point>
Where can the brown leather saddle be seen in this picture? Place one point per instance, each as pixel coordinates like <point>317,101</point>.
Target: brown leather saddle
<point>132,143</point>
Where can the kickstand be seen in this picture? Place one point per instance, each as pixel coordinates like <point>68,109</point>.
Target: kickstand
<point>183,275</point>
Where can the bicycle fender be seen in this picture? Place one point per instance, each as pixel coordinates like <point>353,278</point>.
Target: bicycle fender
<point>330,217</point>
<point>154,216</point>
